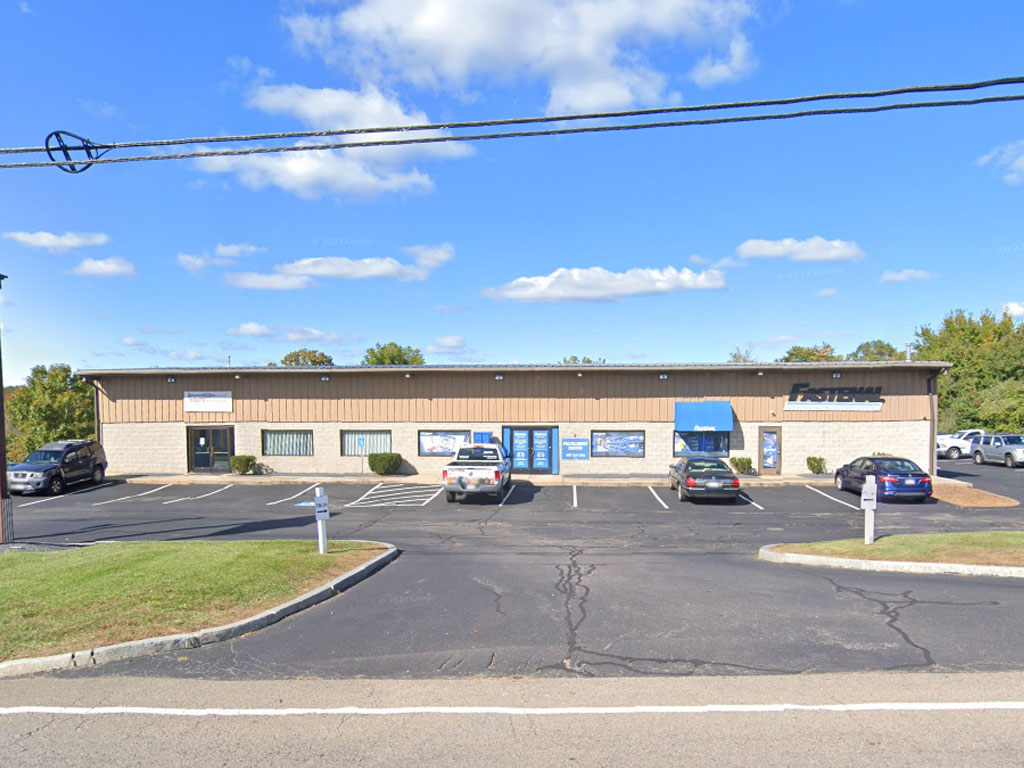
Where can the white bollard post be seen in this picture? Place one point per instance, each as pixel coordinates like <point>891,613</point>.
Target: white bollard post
<point>323,514</point>
<point>868,502</point>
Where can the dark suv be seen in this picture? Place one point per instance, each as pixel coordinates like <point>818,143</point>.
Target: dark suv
<point>56,465</point>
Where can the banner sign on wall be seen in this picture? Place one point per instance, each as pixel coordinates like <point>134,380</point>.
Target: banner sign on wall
<point>803,397</point>
<point>208,402</point>
<point>442,443</point>
<point>624,444</point>
<point>575,450</point>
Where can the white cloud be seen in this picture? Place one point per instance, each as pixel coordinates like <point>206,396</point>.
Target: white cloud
<point>453,346</point>
<point>192,263</point>
<point>250,329</point>
<point>314,334</point>
<point>739,63</point>
<point>131,341</point>
<point>425,259</point>
<point>58,243</point>
<point>905,275</point>
<point>599,284</point>
<point>824,292</point>
<point>258,282</point>
<point>589,53</point>
<point>815,248</point>
<point>359,172</point>
<point>112,267</point>
<point>698,260</point>
<point>1011,158</point>
<point>236,250</point>
<point>1014,308</point>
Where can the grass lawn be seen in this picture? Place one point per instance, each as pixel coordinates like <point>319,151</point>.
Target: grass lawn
<point>86,597</point>
<point>986,548</point>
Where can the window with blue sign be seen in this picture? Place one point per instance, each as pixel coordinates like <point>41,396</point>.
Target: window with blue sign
<point>520,449</point>
<point>541,449</point>
<point>365,442</point>
<point>629,445</point>
<point>702,443</point>
<point>437,443</point>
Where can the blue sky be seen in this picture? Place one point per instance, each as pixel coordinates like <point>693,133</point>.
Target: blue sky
<point>674,245</point>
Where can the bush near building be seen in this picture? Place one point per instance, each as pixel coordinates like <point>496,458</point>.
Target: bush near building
<point>384,463</point>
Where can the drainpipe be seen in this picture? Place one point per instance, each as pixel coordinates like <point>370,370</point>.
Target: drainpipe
<point>933,412</point>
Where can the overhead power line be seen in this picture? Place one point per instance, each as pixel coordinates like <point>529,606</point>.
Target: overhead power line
<point>91,152</point>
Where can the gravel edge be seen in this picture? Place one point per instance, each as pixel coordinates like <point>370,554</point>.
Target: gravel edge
<point>769,554</point>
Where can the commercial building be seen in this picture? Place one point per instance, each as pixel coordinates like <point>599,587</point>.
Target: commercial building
<point>570,420</point>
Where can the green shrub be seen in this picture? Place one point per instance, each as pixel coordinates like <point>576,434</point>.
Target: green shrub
<point>817,465</point>
<point>242,464</point>
<point>384,463</point>
<point>742,464</point>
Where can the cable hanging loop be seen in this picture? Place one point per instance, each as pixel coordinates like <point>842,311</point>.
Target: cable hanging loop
<point>57,143</point>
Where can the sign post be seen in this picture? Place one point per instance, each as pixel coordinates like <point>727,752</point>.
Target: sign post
<point>323,514</point>
<point>868,502</point>
<point>362,444</point>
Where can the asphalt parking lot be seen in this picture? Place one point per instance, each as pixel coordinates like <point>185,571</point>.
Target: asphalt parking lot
<point>988,477</point>
<point>563,581</point>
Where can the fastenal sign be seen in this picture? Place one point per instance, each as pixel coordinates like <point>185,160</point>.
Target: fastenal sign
<point>803,397</point>
<point>208,402</point>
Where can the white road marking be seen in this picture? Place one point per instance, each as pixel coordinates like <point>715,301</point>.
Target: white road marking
<point>502,504</point>
<point>641,709</point>
<point>432,497</point>
<point>750,500</point>
<point>574,497</point>
<point>133,496</point>
<point>655,495</point>
<point>195,498</point>
<point>378,485</point>
<point>827,496</point>
<point>72,493</point>
<point>295,496</point>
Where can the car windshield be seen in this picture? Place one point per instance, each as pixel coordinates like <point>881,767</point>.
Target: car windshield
<point>701,466</point>
<point>478,453</point>
<point>1013,440</point>
<point>43,457</point>
<point>897,465</point>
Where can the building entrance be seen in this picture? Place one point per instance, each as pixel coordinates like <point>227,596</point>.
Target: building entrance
<point>532,449</point>
<point>210,449</point>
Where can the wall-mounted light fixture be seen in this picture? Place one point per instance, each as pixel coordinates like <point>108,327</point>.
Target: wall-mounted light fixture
<point>498,377</point>
<point>408,375</point>
<point>238,375</point>
<point>170,379</point>
<point>579,374</point>
<point>837,375</point>
<point>325,378</point>
<point>760,373</point>
<point>662,376</point>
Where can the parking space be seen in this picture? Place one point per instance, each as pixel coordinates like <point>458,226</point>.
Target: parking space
<point>397,495</point>
<point>993,478</point>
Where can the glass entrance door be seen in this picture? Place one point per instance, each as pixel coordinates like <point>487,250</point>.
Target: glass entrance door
<point>210,449</point>
<point>531,450</point>
<point>769,441</point>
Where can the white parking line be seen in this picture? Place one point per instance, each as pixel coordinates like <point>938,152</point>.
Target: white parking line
<point>432,497</point>
<point>72,493</point>
<point>827,496</point>
<point>574,497</point>
<point>629,710</point>
<point>378,485</point>
<point>133,496</point>
<point>750,500</point>
<point>655,495</point>
<point>195,498</point>
<point>502,504</point>
<point>295,496</point>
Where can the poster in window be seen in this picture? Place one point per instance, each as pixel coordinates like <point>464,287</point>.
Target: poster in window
<point>628,445</point>
<point>442,443</point>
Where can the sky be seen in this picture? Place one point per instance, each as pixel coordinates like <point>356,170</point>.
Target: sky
<point>672,245</point>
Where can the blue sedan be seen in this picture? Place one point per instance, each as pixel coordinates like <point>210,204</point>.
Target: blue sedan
<point>895,477</point>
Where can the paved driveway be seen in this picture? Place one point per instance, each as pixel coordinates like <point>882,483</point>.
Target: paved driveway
<point>561,581</point>
<point>987,477</point>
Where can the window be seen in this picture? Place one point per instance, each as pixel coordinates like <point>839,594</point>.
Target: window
<point>364,443</point>
<point>292,442</point>
<point>441,443</point>
<point>623,444</point>
<point>704,443</point>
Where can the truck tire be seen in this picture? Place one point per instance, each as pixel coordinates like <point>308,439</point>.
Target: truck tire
<point>56,486</point>
<point>953,453</point>
<point>840,483</point>
<point>98,474</point>
<point>978,458</point>
<point>1008,461</point>
<point>449,496</point>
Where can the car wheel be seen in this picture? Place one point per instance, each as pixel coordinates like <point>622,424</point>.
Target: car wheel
<point>671,484</point>
<point>1008,461</point>
<point>449,496</point>
<point>56,486</point>
<point>840,482</point>
<point>953,453</point>
<point>978,458</point>
<point>98,474</point>
<point>680,493</point>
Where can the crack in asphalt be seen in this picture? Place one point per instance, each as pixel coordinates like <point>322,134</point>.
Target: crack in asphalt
<point>494,591</point>
<point>369,523</point>
<point>891,605</point>
<point>570,583</point>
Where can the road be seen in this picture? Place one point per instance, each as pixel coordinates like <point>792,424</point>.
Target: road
<point>571,582</point>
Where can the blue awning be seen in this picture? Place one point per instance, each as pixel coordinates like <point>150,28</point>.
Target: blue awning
<point>708,416</point>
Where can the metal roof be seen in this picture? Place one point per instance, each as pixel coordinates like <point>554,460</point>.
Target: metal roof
<point>926,365</point>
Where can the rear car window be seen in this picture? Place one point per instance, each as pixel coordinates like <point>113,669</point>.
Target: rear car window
<point>898,465</point>
<point>706,466</point>
<point>478,454</point>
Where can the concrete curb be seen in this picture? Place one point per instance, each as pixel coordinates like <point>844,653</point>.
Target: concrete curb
<point>149,646</point>
<point>769,554</point>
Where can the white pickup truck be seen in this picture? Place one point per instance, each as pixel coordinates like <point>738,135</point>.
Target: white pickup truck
<point>478,468</point>
<point>956,445</point>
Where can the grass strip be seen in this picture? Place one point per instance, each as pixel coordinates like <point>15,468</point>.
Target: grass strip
<point>981,548</point>
<point>88,597</point>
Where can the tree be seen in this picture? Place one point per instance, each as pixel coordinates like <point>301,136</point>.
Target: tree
<point>823,353</point>
<point>874,350</point>
<point>573,360</point>
<point>53,405</point>
<point>742,355</point>
<point>307,357</point>
<point>392,354</point>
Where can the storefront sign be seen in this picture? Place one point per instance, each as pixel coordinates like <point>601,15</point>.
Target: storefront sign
<point>541,449</point>
<point>520,449</point>
<point>208,402</point>
<point>803,397</point>
<point>575,450</point>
